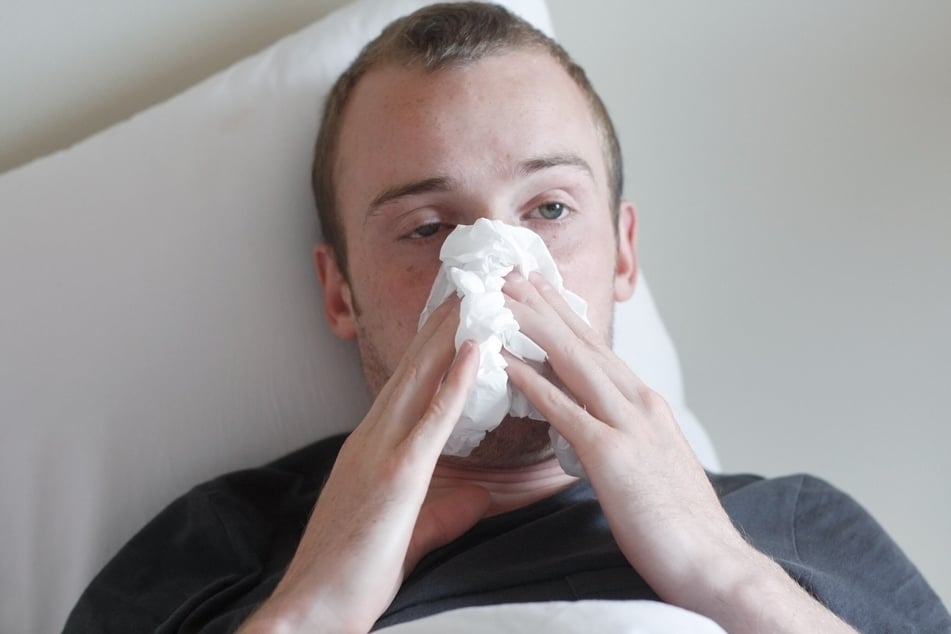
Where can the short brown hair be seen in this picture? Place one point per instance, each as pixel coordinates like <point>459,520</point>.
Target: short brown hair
<point>431,38</point>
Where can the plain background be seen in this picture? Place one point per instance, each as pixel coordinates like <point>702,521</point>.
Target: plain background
<point>792,166</point>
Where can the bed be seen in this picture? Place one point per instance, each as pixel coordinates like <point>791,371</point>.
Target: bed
<point>162,324</point>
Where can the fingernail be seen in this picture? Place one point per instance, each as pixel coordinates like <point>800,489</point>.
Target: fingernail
<point>470,346</point>
<point>516,276</point>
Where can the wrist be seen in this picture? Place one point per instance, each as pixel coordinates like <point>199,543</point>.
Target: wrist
<point>282,615</point>
<point>716,571</point>
<point>737,583</point>
<point>743,590</point>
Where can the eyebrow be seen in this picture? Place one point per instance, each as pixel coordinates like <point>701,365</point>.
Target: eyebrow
<point>425,186</point>
<point>555,160</point>
<point>444,184</point>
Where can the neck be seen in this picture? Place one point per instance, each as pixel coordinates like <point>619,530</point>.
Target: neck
<point>509,488</point>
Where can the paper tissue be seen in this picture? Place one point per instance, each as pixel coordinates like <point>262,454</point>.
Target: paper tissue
<point>475,259</point>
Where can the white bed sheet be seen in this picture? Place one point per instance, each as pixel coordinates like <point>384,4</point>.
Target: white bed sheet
<point>564,617</point>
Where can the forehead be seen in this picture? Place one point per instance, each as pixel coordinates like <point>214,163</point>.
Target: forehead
<point>461,122</point>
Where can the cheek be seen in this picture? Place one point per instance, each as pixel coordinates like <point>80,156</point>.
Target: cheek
<point>390,297</point>
<point>406,285</point>
<point>587,266</point>
<point>396,275</point>
<point>588,271</point>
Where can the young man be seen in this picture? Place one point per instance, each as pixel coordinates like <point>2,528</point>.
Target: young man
<point>457,113</point>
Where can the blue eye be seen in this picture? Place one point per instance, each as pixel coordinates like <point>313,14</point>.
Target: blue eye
<point>552,211</point>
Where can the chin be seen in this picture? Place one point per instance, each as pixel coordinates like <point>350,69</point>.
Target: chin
<point>516,442</point>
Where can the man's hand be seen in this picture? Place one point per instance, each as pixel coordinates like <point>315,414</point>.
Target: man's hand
<point>659,504</point>
<point>370,525</point>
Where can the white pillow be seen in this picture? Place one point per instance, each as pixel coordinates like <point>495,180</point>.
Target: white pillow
<point>161,322</point>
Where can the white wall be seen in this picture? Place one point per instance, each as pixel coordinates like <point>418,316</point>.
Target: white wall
<point>791,162</point>
<point>792,165</point>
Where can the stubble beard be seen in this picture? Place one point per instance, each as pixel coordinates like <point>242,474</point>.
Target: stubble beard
<point>515,443</point>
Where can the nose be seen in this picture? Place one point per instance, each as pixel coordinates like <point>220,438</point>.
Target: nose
<point>499,210</point>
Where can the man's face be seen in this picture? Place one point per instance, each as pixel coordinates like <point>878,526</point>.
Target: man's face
<point>510,137</point>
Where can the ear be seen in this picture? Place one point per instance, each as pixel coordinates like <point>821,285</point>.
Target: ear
<point>625,270</point>
<point>338,301</point>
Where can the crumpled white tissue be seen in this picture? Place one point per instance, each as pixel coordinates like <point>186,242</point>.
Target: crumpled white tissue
<point>475,259</point>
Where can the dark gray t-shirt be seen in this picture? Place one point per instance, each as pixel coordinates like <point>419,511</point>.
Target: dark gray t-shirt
<point>212,556</point>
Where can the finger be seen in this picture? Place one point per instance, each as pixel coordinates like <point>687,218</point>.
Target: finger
<point>444,519</point>
<point>447,311</point>
<point>610,362</point>
<point>534,286</point>
<point>414,382</point>
<point>420,376</point>
<point>619,372</point>
<point>579,364</point>
<point>571,420</point>
<point>443,411</point>
<point>539,308</point>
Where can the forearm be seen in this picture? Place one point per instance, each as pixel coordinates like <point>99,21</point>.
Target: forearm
<point>745,591</point>
<point>283,614</point>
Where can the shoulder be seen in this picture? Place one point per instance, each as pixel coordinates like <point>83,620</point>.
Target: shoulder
<point>308,466</point>
<point>834,548</point>
<point>789,497</point>
<point>223,543</point>
<point>799,518</point>
<point>259,496</point>
<point>243,507</point>
<point>807,506</point>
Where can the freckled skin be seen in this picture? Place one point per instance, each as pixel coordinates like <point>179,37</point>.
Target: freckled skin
<point>473,125</point>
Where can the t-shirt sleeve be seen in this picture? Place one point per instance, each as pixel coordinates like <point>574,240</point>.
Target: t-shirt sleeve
<point>205,562</point>
<point>848,562</point>
<point>211,557</point>
<point>185,571</point>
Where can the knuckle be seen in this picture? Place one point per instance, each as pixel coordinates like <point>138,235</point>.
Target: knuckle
<point>515,290</point>
<point>579,416</point>
<point>529,297</point>
<point>552,400</point>
<point>394,468</point>
<point>436,411</point>
<point>410,373</point>
<point>654,403</point>
<point>592,339</point>
<point>572,348</point>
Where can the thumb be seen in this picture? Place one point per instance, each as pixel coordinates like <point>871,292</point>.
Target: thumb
<point>443,519</point>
